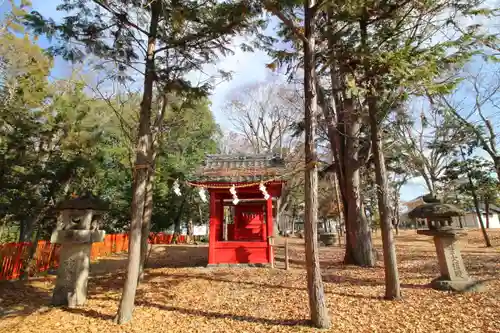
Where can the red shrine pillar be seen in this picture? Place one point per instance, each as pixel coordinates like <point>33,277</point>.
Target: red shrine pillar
<point>212,238</point>
<point>269,224</point>
<point>220,220</point>
<point>264,223</point>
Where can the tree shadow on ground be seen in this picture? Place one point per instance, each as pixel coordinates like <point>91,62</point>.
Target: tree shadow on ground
<point>198,313</point>
<point>178,256</point>
<point>302,263</point>
<point>90,313</point>
<point>330,279</point>
<point>217,315</point>
<point>107,275</point>
<point>474,264</point>
<point>482,265</point>
<point>21,298</point>
<point>339,279</point>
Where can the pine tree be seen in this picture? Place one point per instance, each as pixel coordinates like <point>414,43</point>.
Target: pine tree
<point>180,36</point>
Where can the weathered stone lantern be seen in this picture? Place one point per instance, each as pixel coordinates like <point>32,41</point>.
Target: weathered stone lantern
<point>77,229</point>
<point>439,217</point>
<point>330,211</point>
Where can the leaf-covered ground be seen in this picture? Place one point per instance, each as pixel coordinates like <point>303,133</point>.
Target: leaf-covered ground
<point>179,295</point>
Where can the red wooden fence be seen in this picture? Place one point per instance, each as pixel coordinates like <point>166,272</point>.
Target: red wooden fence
<point>13,255</point>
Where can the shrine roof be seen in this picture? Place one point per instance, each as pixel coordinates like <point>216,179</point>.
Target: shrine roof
<point>239,168</point>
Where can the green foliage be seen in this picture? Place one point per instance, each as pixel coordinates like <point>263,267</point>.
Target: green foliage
<point>190,130</point>
<point>56,139</point>
<point>474,174</point>
<point>46,139</point>
<point>390,49</point>
<point>189,34</point>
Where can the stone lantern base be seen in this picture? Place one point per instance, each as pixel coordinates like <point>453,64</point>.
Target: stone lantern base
<point>73,271</point>
<point>328,239</point>
<point>454,276</point>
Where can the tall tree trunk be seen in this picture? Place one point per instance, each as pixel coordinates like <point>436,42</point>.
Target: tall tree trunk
<point>146,220</point>
<point>31,259</point>
<point>359,248</point>
<point>476,204</point>
<point>317,302</point>
<point>3,226</point>
<point>278,221</point>
<point>478,212</point>
<point>396,217</point>
<point>26,230</point>
<point>392,286</point>
<point>360,251</point>
<point>148,206</point>
<point>337,199</point>
<point>33,225</point>
<point>336,137</point>
<point>344,142</point>
<point>178,218</point>
<point>496,163</point>
<point>142,164</point>
<point>487,211</point>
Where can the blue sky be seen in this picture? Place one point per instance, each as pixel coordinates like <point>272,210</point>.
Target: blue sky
<point>246,67</point>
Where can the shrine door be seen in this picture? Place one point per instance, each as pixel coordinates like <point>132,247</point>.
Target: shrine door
<point>249,223</point>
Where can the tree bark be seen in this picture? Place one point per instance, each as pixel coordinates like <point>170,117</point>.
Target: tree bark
<point>359,248</point>
<point>343,135</point>
<point>496,163</point>
<point>142,165</point>
<point>337,199</point>
<point>278,219</point>
<point>148,206</point>
<point>317,303</point>
<point>26,230</point>
<point>392,285</point>
<point>178,218</point>
<point>487,211</point>
<point>478,212</point>
<point>345,147</point>
<point>476,203</point>
<point>146,219</point>
<point>27,265</point>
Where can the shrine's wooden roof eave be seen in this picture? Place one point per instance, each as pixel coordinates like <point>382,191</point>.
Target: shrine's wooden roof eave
<point>236,181</point>
<point>219,168</point>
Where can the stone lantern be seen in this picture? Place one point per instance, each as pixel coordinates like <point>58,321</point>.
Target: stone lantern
<point>439,217</point>
<point>77,229</point>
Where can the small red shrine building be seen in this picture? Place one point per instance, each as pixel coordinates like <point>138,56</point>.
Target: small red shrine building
<point>241,233</point>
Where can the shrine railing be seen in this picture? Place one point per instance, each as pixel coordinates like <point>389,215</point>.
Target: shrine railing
<point>13,256</point>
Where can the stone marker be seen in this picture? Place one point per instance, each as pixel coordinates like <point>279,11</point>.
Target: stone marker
<point>439,216</point>
<point>76,240</point>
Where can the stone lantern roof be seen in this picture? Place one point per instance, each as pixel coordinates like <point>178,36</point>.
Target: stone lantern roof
<point>433,208</point>
<point>87,201</point>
